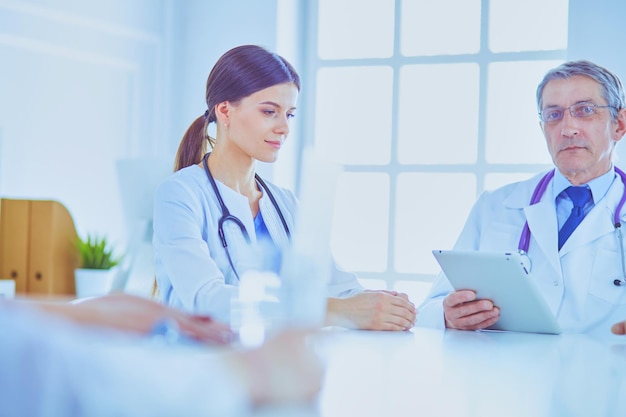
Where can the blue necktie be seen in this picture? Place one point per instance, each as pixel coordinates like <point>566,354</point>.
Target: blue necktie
<point>579,196</point>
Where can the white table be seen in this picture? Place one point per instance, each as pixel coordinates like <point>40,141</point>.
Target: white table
<point>427,372</point>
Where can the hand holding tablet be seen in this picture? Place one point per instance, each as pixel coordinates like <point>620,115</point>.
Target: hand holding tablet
<point>502,280</point>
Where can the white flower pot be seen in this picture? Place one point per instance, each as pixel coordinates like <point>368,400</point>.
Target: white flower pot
<point>94,282</point>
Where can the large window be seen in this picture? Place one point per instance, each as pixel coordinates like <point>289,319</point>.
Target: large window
<point>425,104</point>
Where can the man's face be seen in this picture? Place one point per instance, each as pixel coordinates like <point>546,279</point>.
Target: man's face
<point>581,147</point>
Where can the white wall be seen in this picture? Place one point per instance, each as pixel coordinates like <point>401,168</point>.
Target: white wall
<point>79,90</point>
<point>83,84</point>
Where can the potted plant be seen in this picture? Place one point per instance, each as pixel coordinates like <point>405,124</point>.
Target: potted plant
<point>98,266</point>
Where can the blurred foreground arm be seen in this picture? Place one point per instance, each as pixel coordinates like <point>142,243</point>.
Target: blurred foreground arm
<point>619,328</point>
<point>135,314</point>
<point>52,367</point>
<point>284,370</point>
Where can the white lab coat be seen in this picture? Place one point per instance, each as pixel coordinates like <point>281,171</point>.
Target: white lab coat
<point>576,282</point>
<point>192,270</point>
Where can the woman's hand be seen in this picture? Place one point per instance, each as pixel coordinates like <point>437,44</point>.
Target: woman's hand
<point>372,310</point>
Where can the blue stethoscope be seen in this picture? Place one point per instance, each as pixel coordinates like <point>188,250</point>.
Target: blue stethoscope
<point>226,216</point>
<point>540,189</point>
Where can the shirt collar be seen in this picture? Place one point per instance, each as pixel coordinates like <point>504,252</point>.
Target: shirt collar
<point>599,186</point>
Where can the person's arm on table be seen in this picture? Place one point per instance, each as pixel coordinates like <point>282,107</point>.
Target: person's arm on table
<point>351,305</point>
<point>372,310</point>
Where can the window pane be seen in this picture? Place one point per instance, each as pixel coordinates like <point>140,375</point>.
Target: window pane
<point>442,27</point>
<point>538,25</point>
<point>361,222</point>
<point>353,114</point>
<point>355,29</point>
<point>438,115</point>
<point>431,210</point>
<point>497,180</point>
<point>416,290</point>
<point>373,284</point>
<point>513,132</point>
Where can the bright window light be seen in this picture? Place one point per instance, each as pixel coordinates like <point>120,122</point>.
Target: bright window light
<point>442,27</point>
<point>430,211</point>
<point>529,25</point>
<point>353,114</point>
<point>426,104</point>
<point>513,132</point>
<point>355,29</point>
<point>361,223</point>
<point>498,179</point>
<point>438,115</point>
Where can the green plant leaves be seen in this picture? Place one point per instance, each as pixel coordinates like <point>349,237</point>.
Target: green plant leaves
<point>95,253</point>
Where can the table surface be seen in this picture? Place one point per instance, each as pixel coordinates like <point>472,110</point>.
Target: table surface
<point>428,372</point>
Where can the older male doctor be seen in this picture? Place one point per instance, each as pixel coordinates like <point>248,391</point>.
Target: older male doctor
<point>574,262</point>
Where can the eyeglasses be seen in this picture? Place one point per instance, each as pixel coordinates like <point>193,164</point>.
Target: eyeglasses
<point>580,110</point>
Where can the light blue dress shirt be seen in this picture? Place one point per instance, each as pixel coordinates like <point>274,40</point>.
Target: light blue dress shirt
<point>272,256</point>
<point>599,187</point>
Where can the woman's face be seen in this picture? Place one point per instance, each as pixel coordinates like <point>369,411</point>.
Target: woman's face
<point>258,125</point>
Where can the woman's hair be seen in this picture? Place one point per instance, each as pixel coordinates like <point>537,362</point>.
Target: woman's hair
<point>612,90</point>
<point>238,73</point>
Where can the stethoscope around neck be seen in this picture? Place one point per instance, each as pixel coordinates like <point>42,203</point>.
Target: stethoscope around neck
<point>226,216</point>
<point>540,189</point>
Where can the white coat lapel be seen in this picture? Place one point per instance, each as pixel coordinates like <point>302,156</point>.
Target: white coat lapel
<point>543,226</point>
<point>541,218</point>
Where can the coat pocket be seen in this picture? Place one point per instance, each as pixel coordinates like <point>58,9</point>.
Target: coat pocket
<point>607,267</point>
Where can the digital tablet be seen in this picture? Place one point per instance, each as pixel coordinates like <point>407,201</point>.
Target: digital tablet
<point>503,279</point>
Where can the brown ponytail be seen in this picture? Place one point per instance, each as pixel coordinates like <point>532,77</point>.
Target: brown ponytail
<point>193,146</point>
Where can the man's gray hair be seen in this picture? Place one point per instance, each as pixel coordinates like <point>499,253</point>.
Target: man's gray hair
<point>612,89</point>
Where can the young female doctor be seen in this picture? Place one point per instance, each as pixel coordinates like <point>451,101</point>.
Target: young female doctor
<point>213,211</point>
